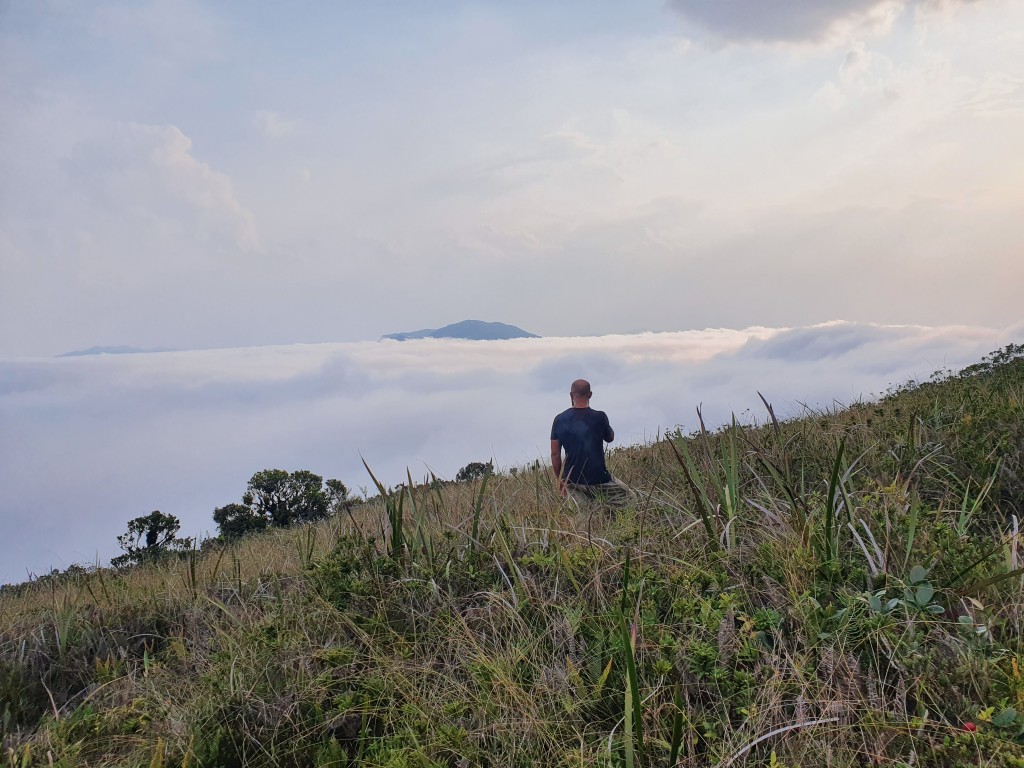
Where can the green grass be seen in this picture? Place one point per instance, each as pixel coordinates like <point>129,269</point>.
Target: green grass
<point>843,588</point>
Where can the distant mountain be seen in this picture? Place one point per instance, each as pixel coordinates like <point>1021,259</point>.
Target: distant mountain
<point>121,350</point>
<point>477,330</point>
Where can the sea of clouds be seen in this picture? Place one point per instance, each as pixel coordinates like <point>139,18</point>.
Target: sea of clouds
<point>88,443</point>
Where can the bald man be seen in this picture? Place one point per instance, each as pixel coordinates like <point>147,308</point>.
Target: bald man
<point>582,432</point>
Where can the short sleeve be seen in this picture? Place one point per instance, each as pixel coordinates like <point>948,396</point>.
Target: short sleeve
<point>554,429</point>
<point>607,436</point>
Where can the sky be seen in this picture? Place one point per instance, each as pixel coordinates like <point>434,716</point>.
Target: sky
<point>268,185</point>
<point>192,174</point>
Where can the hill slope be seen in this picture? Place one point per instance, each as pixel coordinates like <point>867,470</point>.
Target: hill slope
<point>844,587</point>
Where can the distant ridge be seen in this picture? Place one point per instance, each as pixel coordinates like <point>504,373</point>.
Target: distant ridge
<point>121,350</point>
<point>477,330</point>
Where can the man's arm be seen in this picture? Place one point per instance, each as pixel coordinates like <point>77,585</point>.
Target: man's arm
<point>609,433</point>
<point>556,464</point>
<point>556,458</point>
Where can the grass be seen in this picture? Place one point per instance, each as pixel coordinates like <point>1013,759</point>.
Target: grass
<point>843,588</point>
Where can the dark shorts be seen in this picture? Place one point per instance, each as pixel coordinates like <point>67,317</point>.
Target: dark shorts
<point>613,494</point>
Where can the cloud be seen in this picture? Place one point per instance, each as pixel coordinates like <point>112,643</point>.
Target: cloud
<point>754,20</point>
<point>799,21</point>
<point>863,70</point>
<point>173,32</point>
<point>115,227</point>
<point>92,442</point>
<point>818,343</point>
<point>272,125</point>
<point>150,172</point>
<point>999,94</point>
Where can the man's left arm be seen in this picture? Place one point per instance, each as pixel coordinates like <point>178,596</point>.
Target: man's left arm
<point>609,433</point>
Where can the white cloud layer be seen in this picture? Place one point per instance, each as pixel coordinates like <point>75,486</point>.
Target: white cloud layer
<point>91,442</point>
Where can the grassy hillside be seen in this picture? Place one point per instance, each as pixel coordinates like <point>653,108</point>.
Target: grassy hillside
<point>841,589</point>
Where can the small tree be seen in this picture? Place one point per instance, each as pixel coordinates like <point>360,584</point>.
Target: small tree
<point>267,494</point>
<point>287,498</point>
<point>275,497</point>
<point>149,538</point>
<point>474,471</point>
<point>237,520</point>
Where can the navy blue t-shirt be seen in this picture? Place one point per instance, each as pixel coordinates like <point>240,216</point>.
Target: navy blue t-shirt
<point>582,433</point>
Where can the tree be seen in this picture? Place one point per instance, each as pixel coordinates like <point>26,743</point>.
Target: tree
<point>286,498</point>
<point>474,471</point>
<point>308,500</point>
<point>337,496</point>
<point>267,494</point>
<point>277,498</point>
<point>237,520</point>
<point>148,538</point>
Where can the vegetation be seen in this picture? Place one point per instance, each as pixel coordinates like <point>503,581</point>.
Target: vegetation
<point>841,589</point>
<point>475,470</point>
<point>149,538</point>
<point>275,497</point>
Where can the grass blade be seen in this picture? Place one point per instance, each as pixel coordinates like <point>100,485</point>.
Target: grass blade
<point>677,729</point>
<point>705,508</point>
<point>991,581</point>
<point>830,533</point>
<point>478,507</point>
<point>624,604</point>
<point>796,503</point>
<point>394,511</point>
<point>634,725</point>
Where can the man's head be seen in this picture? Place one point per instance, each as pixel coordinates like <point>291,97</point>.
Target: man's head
<point>580,393</point>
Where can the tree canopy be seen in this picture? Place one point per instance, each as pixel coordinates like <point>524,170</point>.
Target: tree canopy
<point>474,471</point>
<point>237,520</point>
<point>278,498</point>
<point>149,537</point>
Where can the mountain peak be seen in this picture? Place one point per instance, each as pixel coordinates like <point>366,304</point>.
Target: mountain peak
<point>477,330</point>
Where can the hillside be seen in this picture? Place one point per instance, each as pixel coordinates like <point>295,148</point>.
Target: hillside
<point>844,588</point>
<point>475,330</point>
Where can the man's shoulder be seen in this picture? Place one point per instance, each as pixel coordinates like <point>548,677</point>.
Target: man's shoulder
<point>564,415</point>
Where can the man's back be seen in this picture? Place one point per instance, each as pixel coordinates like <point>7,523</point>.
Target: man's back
<point>582,433</point>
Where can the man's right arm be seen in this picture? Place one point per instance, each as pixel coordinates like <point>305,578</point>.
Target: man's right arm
<point>556,464</point>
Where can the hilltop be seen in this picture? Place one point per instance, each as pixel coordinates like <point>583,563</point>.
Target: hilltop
<point>477,330</point>
<point>843,588</point>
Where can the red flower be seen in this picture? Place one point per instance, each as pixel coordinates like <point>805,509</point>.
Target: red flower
<point>969,726</point>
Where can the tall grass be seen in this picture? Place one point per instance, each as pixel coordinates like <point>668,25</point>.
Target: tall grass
<point>842,588</point>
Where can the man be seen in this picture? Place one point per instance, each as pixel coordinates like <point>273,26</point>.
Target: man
<point>582,432</point>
